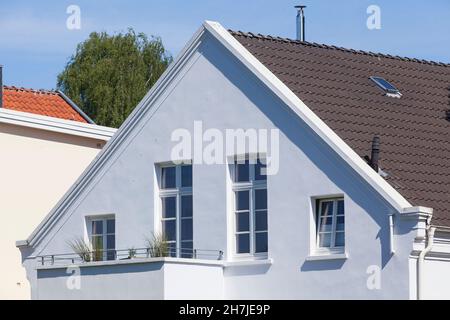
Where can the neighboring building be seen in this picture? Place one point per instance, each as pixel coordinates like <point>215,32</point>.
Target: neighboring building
<point>46,142</point>
<point>342,217</point>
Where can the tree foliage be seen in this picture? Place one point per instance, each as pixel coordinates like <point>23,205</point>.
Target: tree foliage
<point>109,74</point>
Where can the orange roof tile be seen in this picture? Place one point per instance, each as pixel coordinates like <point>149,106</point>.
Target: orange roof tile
<point>42,102</point>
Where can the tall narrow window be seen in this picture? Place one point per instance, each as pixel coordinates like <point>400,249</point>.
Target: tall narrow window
<point>102,235</point>
<point>330,220</point>
<point>177,213</point>
<point>250,207</point>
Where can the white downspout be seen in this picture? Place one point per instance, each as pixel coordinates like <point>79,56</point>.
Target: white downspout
<point>421,260</point>
<point>391,233</point>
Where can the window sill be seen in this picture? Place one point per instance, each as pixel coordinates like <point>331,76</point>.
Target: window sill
<point>327,256</point>
<point>252,262</point>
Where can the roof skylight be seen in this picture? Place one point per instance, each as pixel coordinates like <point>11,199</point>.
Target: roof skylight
<point>389,88</point>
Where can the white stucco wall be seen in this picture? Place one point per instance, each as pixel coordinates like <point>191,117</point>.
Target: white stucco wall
<point>216,89</point>
<point>36,169</point>
<point>154,278</point>
<point>121,281</point>
<point>195,281</point>
<point>436,275</point>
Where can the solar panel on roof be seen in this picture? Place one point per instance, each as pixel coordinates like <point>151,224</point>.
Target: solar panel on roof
<point>385,85</point>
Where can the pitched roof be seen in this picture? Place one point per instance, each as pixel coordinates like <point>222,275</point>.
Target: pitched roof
<point>42,102</point>
<point>414,129</point>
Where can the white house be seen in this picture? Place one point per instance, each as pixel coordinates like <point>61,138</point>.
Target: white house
<point>345,193</point>
<point>46,142</point>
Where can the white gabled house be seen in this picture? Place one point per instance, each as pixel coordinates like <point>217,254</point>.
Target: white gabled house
<point>325,224</point>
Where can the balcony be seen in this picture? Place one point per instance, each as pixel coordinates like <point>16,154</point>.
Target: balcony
<point>125,254</point>
<point>134,274</point>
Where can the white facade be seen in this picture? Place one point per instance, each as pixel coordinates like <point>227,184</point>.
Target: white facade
<point>41,158</point>
<point>217,83</point>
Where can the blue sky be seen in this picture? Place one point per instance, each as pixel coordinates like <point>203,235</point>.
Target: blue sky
<point>35,43</point>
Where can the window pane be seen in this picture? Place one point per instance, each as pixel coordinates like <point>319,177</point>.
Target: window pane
<point>186,206</point>
<point>186,229</point>
<point>242,171</point>
<point>340,223</point>
<point>186,176</point>
<point>261,242</point>
<point>97,242</point>
<point>187,249</point>
<point>110,245</point>
<point>97,248</point>
<point>243,243</point>
<point>340,208</point>
<point>169,207</point>
<point>258,172</point>
<point>169,230</point>
<point>97,227</point>
<point>242,221</point>
<point>168,178</point>
<point>172,248</point>
<point>110,226</point>
<point>325,240</point>
<point>111,242</point>
<point>340,239</point>
<point>242,200</point>
<point>325,224</point>
<point>261,199</point>
<point>261,220</point>
<point>327,208</point>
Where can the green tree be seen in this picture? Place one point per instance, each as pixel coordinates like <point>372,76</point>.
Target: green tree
<point>109,74</point>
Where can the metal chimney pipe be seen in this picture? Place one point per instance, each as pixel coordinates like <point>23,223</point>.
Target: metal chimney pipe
<point>375,156</point>
<point>300,22</point>
<point>1,86</point>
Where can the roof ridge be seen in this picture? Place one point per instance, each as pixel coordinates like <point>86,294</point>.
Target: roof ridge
<point>22,89</point>
<point>332,47</point>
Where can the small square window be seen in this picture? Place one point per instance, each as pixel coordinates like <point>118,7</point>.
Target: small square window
<point>330,223</point>
<point>102,237</point>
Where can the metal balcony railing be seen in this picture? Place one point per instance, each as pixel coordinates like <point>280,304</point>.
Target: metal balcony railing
<point>126,254</point>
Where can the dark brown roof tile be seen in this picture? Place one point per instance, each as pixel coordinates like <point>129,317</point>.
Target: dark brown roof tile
<point>334,82</point>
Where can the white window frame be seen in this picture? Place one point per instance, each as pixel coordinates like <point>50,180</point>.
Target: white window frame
<point>176,192</point>
<point>89,220</point>
<point>333,249</point>
<point>250,186</point>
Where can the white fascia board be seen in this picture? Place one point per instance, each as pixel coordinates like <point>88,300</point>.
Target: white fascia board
<point>52,124</point>
<point>308,116</point>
